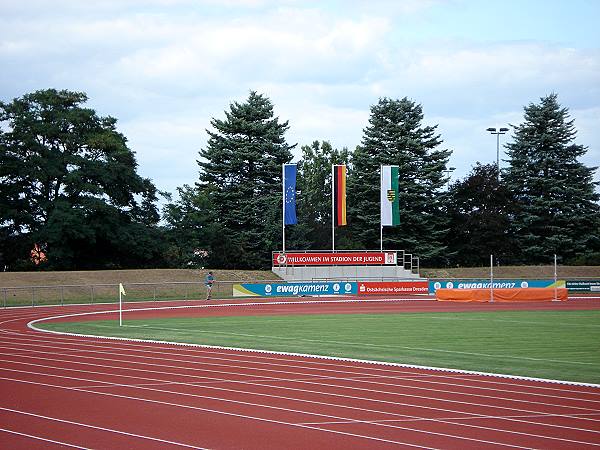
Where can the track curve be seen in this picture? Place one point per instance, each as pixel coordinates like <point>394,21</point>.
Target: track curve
<point>68,391</point>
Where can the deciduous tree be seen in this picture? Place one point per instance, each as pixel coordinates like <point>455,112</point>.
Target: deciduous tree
<point>479,208</point>
<point>69,181</point>
<point>314,203</point>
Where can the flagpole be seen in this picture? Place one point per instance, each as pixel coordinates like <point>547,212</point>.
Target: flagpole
<point>380,208</point>
<point>283,204</point>
<point>332,209</point>
<point>555,280</point>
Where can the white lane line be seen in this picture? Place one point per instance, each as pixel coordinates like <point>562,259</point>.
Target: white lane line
<point>437,369</point>
<point>410,376</point>
<point>319,383</point>
<point>197,408</point>
<point>474,418</point>
<point>314,413</point>
<point>339,371</point>
<point>261,384</point>
<point>33,322</point>
<point>230,359</point>
<point>510,391</point>
<point>95,386</point>
<point>158,382</point>
<point>39,438</point>
<point>319,380</point>
<point>111,430</point>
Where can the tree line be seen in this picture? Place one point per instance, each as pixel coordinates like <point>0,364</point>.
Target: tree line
<point>69,188</point>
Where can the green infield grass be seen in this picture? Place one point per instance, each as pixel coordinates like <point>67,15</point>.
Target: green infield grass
<point>562,345</point>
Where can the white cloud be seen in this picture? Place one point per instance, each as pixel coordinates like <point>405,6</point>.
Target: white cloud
<point>286,45</point>
<point>586,123</point>
<point>165,67</point>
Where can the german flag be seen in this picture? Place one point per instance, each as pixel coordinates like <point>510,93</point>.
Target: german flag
<point>339,195</point>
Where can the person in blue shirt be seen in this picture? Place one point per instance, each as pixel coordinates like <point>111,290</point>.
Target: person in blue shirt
<point>209,281</point>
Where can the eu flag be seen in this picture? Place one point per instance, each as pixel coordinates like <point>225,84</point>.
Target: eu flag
<point>289,193</point>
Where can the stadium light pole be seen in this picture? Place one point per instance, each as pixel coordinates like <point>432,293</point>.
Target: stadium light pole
<point>497,132</point>
<point>448,171</point>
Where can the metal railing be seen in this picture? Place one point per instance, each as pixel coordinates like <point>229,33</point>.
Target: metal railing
<point>362,279</point>
<point>109,293</point>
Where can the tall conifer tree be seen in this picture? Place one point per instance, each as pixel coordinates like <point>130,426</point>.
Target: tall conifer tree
<point>240,169</point>
<point>396,136</point>
<point>557,206</point>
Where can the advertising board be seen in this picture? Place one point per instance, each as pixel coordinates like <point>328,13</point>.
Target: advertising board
<point>393,287</point>
<point>293,289</point>
<point>583,285</point>
<point>498,284</point>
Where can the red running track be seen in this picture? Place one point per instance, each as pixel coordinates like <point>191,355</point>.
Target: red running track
<point>66,391</point>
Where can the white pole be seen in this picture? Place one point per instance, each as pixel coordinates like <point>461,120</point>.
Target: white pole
<point>283,206</point>
<point>380,209</point>
<point>555,280</point>
<point>120,307</point>
<point>332,209</point>
<point>491,278</point>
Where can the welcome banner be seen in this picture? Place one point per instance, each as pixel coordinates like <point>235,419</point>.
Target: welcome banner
<point>335,259</point>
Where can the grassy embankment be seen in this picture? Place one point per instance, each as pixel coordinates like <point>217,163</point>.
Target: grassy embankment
<point>97,286</point>
<point>164,284</point>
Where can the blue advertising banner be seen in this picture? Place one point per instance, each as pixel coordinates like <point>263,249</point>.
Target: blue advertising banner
<point>498,284</point>
<point>294,289</point>
<point>583,285</point>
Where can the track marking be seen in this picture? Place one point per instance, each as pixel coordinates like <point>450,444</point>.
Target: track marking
<point>32,323</point>
<point>197,408</point>
<point>452,419</point>
<point>318,414</point>
<point>319,378</point>
<point>259,359</point>
<point>260,383</point>
<point>413,375</point>
<point>31,436</point>
<point>111,430</point>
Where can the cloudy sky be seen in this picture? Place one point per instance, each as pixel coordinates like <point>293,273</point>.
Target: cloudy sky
<point>164,68</point>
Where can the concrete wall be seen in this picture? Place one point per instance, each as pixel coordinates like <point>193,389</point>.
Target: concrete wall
<point>343,273</point>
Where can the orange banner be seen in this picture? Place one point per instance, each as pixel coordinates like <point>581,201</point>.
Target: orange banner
<point>501,295</point>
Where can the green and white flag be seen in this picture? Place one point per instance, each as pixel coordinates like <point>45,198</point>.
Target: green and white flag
<point>390,206</point>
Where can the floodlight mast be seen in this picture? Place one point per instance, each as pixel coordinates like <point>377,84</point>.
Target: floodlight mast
<point>448,171</point>
<point>498,132</point>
